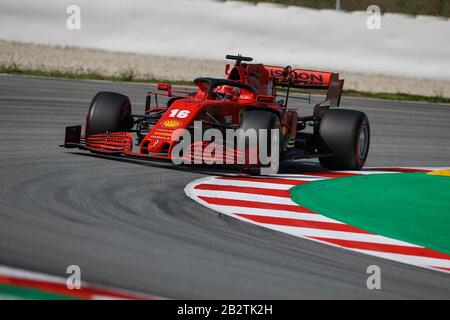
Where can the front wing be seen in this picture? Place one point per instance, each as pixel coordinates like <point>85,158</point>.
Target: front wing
<point>121,144</point>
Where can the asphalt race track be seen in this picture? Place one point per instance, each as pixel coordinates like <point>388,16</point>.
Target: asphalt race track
<point>129,224</point>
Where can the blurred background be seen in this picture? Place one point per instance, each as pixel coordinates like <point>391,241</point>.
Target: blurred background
<point>177,40</point>
<point>412,7</point>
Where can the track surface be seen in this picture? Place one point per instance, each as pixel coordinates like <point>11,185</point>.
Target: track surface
<point>130,225</point>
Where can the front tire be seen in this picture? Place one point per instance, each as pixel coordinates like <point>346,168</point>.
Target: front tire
<point>109,112</point>
<point>257,120</point>
<point>346,135</point>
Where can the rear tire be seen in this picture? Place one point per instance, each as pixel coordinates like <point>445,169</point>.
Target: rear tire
<point>109,112</point>
<point>258,119</point>
<point>346,134</point>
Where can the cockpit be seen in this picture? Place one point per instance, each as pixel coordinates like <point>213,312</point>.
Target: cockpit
<point>221,89</point>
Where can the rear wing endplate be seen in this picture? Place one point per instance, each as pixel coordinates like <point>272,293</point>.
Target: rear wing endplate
<point>309,79</point>
<point>334,93</point>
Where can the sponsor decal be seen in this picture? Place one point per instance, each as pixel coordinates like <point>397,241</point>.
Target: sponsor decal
<point>165,130</point>
<point>155,143</point>
<point>300,77</point>
<point>164,134</point>
<point>171,123</point>
<point>159,137</point>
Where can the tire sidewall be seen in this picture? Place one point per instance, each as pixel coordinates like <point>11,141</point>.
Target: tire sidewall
<point>260,119</point>
<point>108,112</point>
<point>339,135</point>
<point>360,162</point>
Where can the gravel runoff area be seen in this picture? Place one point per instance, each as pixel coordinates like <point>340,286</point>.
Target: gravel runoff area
<point>141,66</point>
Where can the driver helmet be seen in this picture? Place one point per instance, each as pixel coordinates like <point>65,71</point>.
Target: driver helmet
<point>227,92</point>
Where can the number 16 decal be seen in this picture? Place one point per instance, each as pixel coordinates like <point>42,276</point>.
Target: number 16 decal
<point>177,113</point>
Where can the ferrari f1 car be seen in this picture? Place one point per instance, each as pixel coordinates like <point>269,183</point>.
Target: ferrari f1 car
<point>252,96</point>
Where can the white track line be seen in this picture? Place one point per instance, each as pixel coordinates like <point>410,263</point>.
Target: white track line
<point>308,225</point>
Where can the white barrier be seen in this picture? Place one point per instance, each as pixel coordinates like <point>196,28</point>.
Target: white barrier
<point>405,46</point>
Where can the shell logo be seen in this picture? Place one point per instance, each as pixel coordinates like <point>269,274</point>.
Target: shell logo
<point>171,124</point>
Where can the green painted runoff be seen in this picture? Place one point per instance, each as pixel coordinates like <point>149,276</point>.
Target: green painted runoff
<point>413,207</point>
<point>16,292</point>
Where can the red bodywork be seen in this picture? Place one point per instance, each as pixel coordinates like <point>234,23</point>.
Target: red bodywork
<point>259,91</point>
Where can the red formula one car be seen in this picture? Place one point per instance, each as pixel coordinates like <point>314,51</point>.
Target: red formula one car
<point>253,96</point>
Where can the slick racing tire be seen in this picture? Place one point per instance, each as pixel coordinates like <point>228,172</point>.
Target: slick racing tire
<point>109,112</point>
<point>346,135</point>
<point>257,120</point>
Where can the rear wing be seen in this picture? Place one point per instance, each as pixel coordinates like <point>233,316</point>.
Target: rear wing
<point>308,79</point>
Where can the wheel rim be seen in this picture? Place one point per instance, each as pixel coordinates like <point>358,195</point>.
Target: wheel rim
<point>363,142</point>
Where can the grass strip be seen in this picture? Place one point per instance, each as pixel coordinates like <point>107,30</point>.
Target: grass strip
<point>129,76</point>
